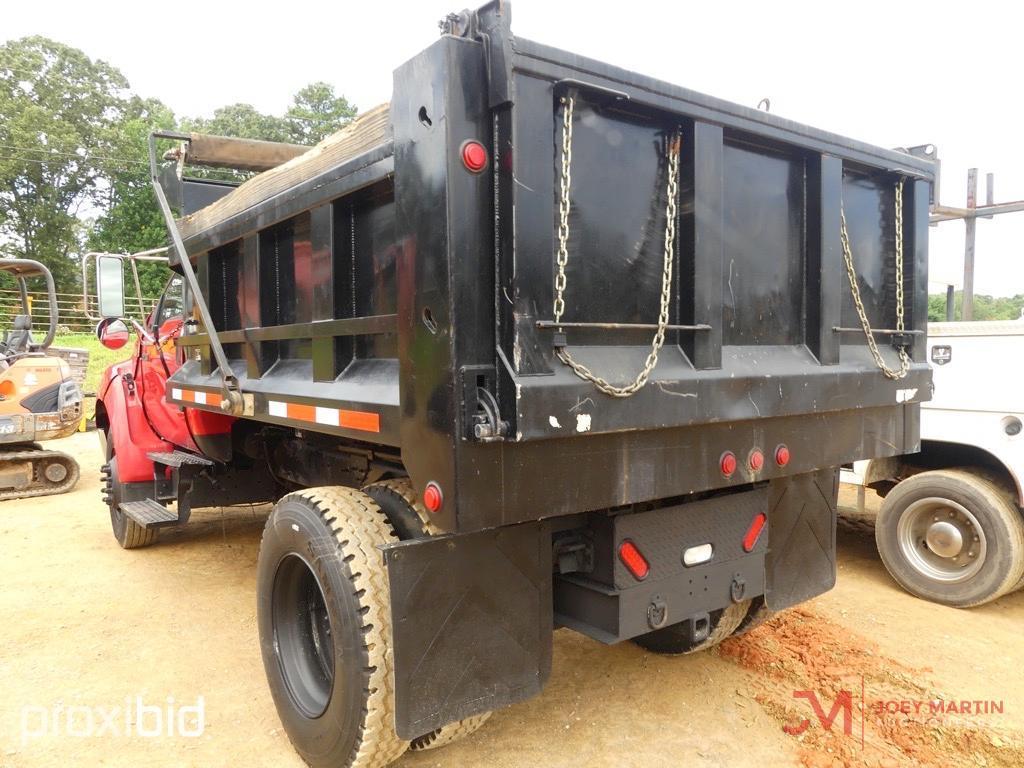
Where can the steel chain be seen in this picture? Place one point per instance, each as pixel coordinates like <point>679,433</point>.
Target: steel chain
<point>562,259</point>
<point>851,274</point>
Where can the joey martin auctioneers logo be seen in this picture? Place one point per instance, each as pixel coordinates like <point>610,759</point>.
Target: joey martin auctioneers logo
<point>134,717</point>
<point>840,711</point>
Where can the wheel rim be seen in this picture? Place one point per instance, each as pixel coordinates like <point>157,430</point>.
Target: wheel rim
<point>942,540</point>
<point>303,640</point>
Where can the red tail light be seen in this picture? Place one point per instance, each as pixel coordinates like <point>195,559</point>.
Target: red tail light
<point>754,532</point>
<point>782,455</point>
<point>432,496</point>
<point>727,463</point>
<point>756,460</point>
<point>474,156</point>
<point>634,561</point>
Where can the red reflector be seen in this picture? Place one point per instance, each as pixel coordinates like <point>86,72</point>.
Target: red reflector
<point>754,531</point>
<point>728,463</point>
<point>756,460</point>
<point>432,496</point>
<point>474,156</point>
<point>782,455</point>
<point>633,560</point>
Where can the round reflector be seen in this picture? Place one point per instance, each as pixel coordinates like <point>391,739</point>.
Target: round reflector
<point>782,455</point>
<point>728,463</point>
<point>756,460</point>
<point>474,156</point>
<point>432,496</point>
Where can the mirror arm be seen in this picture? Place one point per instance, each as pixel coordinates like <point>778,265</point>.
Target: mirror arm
<point>143,332</point>
<point>231,400</point>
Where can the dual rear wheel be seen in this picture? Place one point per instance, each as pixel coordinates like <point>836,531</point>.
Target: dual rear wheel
<point>324,618</point>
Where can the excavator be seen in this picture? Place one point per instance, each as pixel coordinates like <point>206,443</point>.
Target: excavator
<point>39,398</point>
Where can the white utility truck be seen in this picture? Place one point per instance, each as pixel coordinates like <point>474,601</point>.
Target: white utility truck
<point>950,528</point>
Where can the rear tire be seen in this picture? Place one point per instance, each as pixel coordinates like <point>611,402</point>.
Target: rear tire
<point>757,614</point>
<point>675,639</point>
<point>402,507</point>
<point>447,734</point>
<point>129,534</point>
<point>398,501</point>
<point>324,617</point>
<point>953,537</point>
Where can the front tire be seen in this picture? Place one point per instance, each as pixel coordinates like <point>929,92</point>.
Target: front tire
<point>324,617</point>
<point>129,534</point>
<point>952,536</point>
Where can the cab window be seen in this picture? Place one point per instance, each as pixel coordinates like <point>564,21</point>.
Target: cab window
<point>172,303</point>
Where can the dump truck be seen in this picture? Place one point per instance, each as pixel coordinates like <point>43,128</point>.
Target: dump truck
<point>950,527</point>
<point>539,343</point>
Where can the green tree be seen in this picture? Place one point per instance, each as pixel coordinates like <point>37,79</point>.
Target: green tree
<point>985,307</point>
<point>132,221</point>
<point>243,121</point>
<point>58,140</point>
<point>317,112</point>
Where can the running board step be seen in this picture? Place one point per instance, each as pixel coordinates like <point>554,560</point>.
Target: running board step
<point>149,513</point>
<point>178,459</point>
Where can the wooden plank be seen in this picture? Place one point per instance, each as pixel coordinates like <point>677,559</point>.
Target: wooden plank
<point>241,154</point>
<point>366,132</point>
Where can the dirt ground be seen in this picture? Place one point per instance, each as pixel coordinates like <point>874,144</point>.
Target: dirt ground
<point>88,631</point>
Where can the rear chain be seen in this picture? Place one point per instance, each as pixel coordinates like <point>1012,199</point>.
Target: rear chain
<point>862,315</point>
<point>668,255</point>
<point>38,456</point>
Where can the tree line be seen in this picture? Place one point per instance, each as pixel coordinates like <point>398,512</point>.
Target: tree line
<point>985,307</point>
<point>74,173</point>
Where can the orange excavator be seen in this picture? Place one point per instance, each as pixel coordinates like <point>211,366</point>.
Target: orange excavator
<point>39,399</point>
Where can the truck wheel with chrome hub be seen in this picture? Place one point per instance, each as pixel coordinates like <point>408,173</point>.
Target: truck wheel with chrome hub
<point>324,618</point>
<point>952,536</point>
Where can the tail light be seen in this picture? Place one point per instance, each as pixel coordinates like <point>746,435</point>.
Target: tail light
<point>756,460</point>
<point>634,561</point>
<point>432,496</point>
<point>474,156</point>
<point>782,455</point>
<point>727,463</point>
<point>754,532</point>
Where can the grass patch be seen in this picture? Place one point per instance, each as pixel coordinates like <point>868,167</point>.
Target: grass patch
<point>100,358</point>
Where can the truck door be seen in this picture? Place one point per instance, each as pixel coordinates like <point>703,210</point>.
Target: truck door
<point>158,360</point>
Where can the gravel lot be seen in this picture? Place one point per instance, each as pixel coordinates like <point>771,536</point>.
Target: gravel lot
<point>87,627</point>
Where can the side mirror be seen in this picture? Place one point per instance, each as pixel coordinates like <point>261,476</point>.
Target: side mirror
<point>113,333</point>
<point>110,287</point>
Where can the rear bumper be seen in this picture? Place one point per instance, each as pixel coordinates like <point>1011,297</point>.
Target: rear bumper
<point>793,559</point>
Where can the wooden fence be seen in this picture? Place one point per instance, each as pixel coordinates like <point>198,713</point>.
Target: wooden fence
<point>71,314</point>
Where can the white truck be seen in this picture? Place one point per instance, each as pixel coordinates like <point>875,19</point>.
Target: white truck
<point>950,528</point>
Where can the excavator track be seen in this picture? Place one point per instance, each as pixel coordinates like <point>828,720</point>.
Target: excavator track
<point>52,472</point>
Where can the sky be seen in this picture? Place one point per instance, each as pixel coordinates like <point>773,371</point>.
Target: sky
<point>891,73</point>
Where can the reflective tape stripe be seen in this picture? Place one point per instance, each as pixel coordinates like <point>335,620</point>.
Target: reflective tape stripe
<point>195,396</point>
<point>364,421</point>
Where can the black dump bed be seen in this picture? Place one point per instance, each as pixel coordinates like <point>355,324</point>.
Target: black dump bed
<point>381,291</point>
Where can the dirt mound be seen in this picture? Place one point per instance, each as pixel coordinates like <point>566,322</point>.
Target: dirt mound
<point>850,706</point>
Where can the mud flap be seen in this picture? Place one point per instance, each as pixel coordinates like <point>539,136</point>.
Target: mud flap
<point>801,560</point>
<point>472,623</point>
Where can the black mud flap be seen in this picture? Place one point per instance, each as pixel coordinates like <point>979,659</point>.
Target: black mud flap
<point>472,623</point>
<point>801,560</point>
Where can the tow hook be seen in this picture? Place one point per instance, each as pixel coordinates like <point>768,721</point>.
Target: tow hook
<point>657,613</point>
<point>738,588</point>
